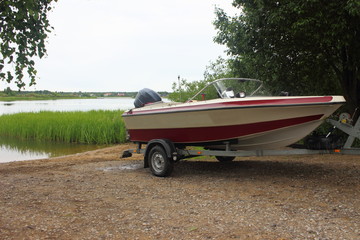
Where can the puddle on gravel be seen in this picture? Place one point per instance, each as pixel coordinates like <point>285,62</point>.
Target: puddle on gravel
<point>131,166</point>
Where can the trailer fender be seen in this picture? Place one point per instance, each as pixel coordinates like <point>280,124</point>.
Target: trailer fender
<point>166,144</point>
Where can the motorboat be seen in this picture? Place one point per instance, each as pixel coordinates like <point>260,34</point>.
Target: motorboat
<point>235,112</point>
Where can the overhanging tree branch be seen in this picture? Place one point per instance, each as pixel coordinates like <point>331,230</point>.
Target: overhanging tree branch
<point>24,27</point>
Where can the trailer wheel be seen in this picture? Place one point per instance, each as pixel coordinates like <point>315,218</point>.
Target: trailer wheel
<point>224,159</point>
<point>160,164</point>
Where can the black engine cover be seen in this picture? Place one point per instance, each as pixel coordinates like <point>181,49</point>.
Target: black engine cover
<point>146,96</point>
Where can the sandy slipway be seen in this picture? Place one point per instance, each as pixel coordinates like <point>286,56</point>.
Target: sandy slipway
<point>96,195</point>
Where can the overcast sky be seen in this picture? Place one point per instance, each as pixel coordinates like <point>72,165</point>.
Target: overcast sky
<point>117,45</point>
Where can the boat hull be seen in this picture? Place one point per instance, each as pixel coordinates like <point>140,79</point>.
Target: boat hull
<point>248,125</point>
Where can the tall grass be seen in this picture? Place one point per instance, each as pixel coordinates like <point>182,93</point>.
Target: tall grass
<point>93,127</point>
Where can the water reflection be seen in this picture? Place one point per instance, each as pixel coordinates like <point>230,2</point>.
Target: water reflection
<point>17,150</point>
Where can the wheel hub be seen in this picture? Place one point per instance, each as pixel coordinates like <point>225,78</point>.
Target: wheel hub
<point>158,162</point>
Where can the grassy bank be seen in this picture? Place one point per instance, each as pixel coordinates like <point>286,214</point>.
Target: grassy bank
<point>93,127</point>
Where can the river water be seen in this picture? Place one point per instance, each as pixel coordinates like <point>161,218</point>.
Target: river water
<point>15,150</point>
<point>66,105</point>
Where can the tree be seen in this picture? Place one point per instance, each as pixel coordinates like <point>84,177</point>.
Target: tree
<point>300,46</point>
<point>9,92</point>
<point>184,90</point>
<point>24,27</point>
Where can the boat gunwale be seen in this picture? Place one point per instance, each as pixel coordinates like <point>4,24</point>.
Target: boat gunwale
<point>173,110</point>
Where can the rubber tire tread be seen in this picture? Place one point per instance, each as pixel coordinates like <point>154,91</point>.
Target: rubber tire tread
<point>169,164</point>
<point>224,159</point>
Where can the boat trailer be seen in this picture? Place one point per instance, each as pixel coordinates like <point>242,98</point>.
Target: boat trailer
<point>160,154</point>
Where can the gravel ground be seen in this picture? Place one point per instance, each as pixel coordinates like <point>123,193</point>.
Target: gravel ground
<point>96,195</point>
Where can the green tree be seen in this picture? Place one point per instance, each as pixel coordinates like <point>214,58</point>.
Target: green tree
<point>300,46</point>
<point>220,68</point>
<point>184,90</point>
<point>24,27</point>
<point>9,92</point>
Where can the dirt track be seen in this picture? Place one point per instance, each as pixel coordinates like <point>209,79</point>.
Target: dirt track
<point>96,195</point>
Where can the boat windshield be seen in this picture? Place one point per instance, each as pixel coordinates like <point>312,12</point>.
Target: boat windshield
<point>232,88</point>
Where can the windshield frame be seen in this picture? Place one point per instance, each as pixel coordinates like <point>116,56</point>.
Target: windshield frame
<point>221,89</point>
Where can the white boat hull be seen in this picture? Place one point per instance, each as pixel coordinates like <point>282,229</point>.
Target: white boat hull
<point>272,139</point>
<point>249,124</point>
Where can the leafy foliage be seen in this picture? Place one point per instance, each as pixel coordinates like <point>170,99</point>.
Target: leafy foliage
<point>185,90</point>
<point>299,46</point>
<point>219,69</point>
<point>24,27</point>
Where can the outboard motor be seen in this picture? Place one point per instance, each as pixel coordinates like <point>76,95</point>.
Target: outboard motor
<point>146,96</point>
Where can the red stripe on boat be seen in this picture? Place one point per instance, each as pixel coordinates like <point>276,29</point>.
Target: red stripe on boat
<point>208,134</point>
<point>230,104</point>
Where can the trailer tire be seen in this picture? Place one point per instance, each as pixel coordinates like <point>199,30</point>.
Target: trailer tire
<point>224,159</point>
<point>160,164</point>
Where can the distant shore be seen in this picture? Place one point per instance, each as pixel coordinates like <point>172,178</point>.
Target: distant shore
<point>11,99</point>
<point>10,95</point>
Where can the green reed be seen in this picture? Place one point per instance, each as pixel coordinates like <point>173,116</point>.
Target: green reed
<point>93,127</point>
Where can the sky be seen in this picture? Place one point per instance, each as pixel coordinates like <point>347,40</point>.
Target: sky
<point>118,45</point>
